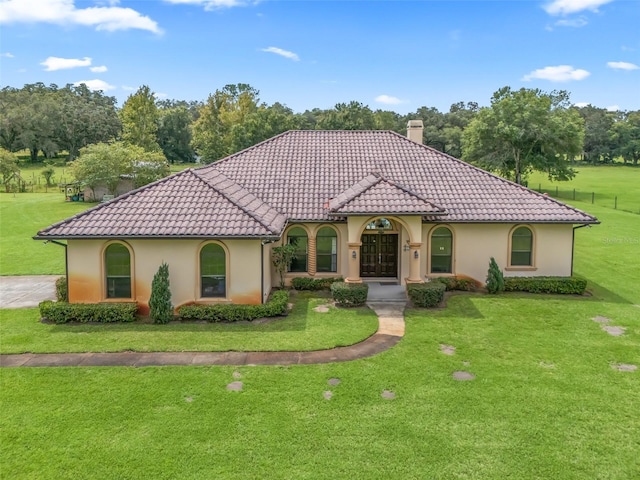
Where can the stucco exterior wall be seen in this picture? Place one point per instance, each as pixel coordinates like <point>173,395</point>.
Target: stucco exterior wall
<point>86,270</point>
<point>475,244</point>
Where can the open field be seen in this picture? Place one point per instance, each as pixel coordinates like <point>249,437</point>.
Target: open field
<point>21,216</point>
<point>606,182</point>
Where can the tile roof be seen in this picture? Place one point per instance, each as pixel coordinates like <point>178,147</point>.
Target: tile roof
<point>375,194</point>
<point>182,205</point>
<point>296,175</point>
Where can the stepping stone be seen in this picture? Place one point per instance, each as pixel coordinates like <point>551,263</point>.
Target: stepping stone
<point>615,331</point>
<point>333,381</point>
<point>237,375</point>
<point>321,309</point>
<point>447,349</point>
<point>188,399</point>
<point>290,306</point>
<point>388,395</point>
<point>547,365</point>
<point>624,367</point>
<point>463,376</point>
<point>327,395</point>
<point>601,319</point>
<point>235,386</point>
<point>466,364</point>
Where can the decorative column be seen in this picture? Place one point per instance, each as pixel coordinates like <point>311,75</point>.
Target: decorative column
<point>414,263</point>
<point>354,263</point>
<point>311,255</point>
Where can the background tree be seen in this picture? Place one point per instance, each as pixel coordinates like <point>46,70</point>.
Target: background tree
<point>105,164</point>
<point>347,116</point>
<point>525,130</point>
<point>8,168</point>
<point>598,122</point>
<point>139,117</point>
<point>626,137</point>
<point>230,106</point>
<point>174,131</point>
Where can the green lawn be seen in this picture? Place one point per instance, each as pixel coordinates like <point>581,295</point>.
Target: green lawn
<point>607,182</point>
<point>302,329</point>
<point>546,402</point>
<point>21,216</point>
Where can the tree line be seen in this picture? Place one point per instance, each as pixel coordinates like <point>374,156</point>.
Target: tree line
<point>522,130</point>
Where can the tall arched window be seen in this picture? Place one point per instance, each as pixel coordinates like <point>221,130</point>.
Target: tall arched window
<point>327,250</point>
<point>441,250</point>
<point>298,236</point>
<point>522,247</point>
<point>213,271</point>
<point>117,265</point>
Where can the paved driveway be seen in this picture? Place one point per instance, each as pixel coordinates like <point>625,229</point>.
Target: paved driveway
<point>27,291</point>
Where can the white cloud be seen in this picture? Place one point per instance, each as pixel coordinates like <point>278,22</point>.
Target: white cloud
<point>560,73</point>
<point>64,12</point>
<point>99,69</point>
<point>56,63</point>
<point>622,66</point>
<point>96,85</point>
<point>211,4</point>
<point>581,104</point>
<point>388,100</point>
<point>6,55</point>
<point>613,108</point>
<point>572,22</point>
<point>283,53</point>
<point>567,7</point>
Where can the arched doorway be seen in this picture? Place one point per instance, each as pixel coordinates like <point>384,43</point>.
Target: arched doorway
<point>379,250</point>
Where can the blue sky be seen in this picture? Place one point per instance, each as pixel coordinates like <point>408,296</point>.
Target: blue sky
<point>392,55</point>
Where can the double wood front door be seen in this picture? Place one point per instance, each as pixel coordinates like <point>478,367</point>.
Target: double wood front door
<point>379,255</point>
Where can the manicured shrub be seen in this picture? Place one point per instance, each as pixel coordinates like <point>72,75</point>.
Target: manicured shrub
<point>563,285</point>
<point>306,283</point>
<point>62,312</point>
<point>160,308</point>
<point>495,278</point>
<point>427,295</point>
<point>454,283</point>
<point>349,294</point>
<point>275,307</point>
<point>61,289</point>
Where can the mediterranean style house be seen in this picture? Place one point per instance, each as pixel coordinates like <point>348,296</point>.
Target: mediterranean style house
<point>364,205</point>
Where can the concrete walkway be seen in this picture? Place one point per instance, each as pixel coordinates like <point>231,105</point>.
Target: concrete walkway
<point>390,331</point>
<point>27,291</point>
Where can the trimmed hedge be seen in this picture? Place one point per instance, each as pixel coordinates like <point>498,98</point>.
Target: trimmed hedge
<point>427,295</point>
<point>454,283</point>
<point>275,307</point>
<point>563,285</point>
<point>62,312</point>
<point>61,289</point>
<point>349,294</point>
<point>306,283</point>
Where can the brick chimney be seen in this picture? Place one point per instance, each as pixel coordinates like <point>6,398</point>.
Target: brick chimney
<point>414,130</point>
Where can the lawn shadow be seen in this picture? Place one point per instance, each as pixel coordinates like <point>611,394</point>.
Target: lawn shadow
<point>600,293</point>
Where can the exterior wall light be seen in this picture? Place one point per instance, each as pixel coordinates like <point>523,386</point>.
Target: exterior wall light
<point>353,254</point>
<point>406,248</point>
<point>415,254</point>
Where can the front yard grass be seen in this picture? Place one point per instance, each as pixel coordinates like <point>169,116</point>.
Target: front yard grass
<point>302,329</point>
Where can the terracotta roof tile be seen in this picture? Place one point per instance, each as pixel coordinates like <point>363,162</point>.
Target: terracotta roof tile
<point>182,205</point>
<point>294,175</point>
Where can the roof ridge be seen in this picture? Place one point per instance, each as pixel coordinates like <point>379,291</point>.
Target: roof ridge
<point>234,201</point>
<point>410,192</point>
<point>117,199</point>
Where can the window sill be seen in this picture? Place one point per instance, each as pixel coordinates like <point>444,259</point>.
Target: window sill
<point>521,269</point>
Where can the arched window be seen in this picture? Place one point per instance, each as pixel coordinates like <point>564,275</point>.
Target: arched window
<point>213,271</point>
<point>298,236</point>
<point>441,250</point>
<point>326,250</point>
<point>522,247</point>
<point>117,266</point>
